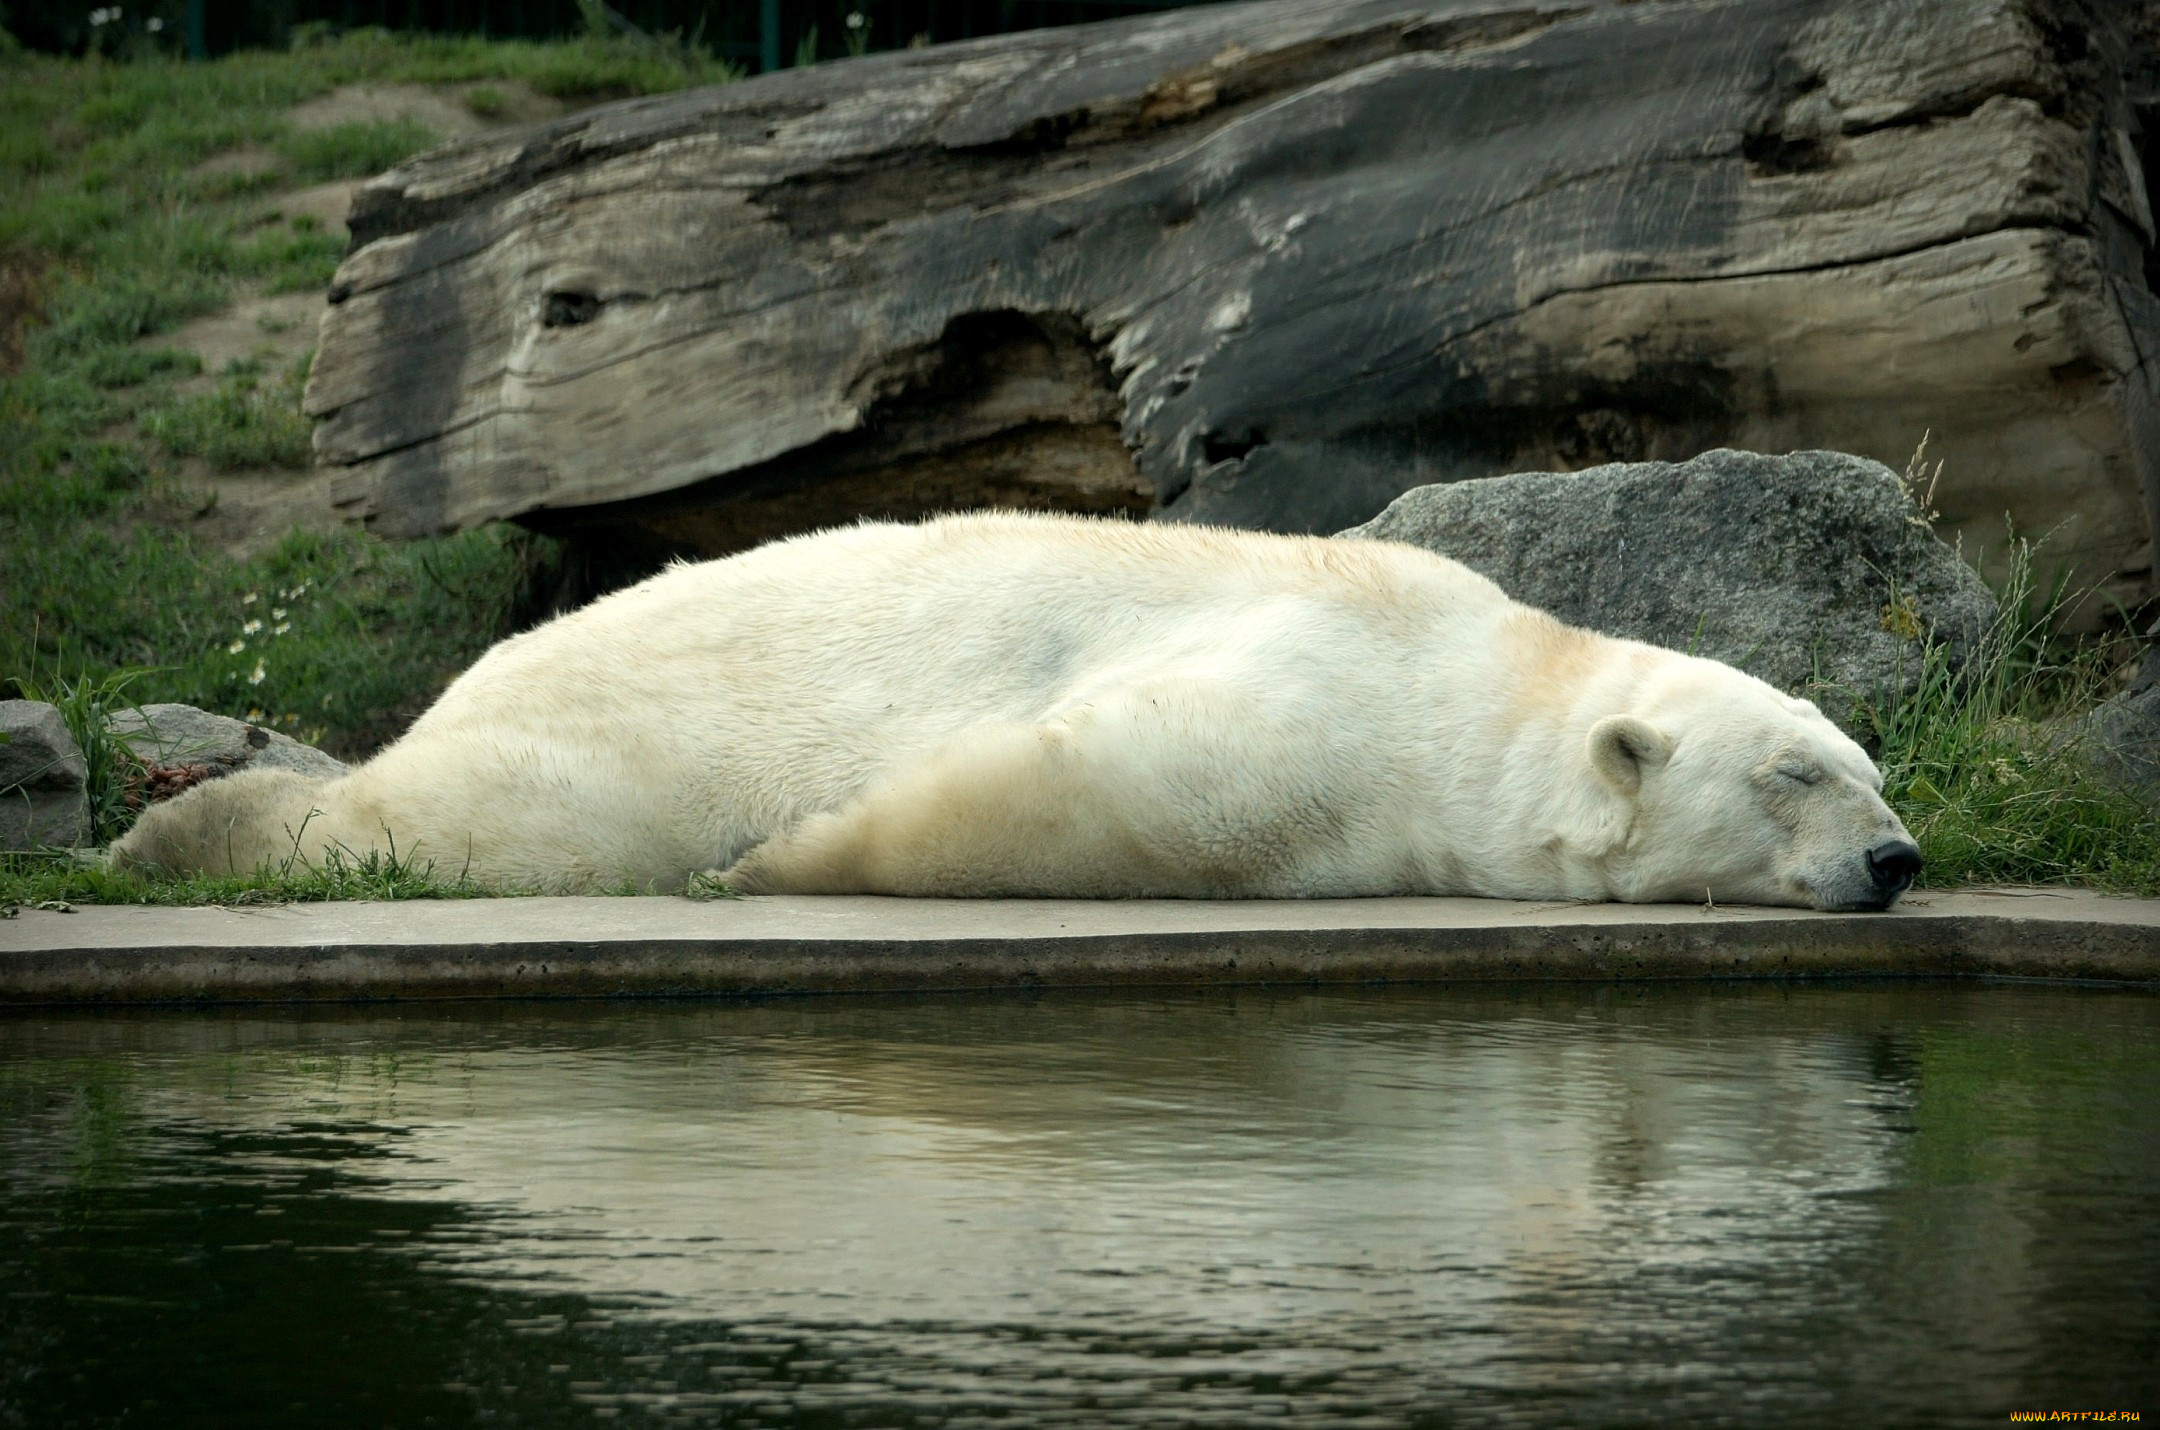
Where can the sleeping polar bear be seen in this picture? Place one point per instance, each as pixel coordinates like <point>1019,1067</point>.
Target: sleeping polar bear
<point>1033,705</point>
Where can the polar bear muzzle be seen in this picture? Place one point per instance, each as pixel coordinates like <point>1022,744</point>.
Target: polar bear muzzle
<point>1895,864</point>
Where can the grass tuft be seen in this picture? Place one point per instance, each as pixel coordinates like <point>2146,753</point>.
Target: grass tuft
<point>353,151</point>
<point>246,422</point>
<point>297,258</point>
<point>706,887</point>
<point>134,366</point>
<point>1985,763</point>
<point>86,707</point>
<point>31,880</point>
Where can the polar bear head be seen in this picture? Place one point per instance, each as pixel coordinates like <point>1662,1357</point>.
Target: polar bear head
<point>245,821</point>
<point>1734,791</point>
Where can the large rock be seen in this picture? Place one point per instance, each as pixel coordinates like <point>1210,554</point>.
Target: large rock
<point>2122,737</point>
<point>181,737</point>
<point>42,779</point>
<point>1274,264</point>
<point>1809,570</point>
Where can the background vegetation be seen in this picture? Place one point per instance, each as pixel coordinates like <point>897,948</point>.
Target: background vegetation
<point>121,219</point>
<point>1985,759</point>
<point>118,222</point>
<point>805,30</point>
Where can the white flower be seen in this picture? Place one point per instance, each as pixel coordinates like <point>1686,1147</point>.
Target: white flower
<point>153,24</point>
<point>255,676</point>
<point>255,713</point>
<point>280,628</point>
<point>236,647</point>
<point>277,613</point>
<point>251,628</point>
<point>249,598</point>
<point>856,20</point>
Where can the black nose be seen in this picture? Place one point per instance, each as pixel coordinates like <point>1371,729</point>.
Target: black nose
<point>1893,864</point>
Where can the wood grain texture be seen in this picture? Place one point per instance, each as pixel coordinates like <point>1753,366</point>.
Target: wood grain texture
<point>1296,257</point>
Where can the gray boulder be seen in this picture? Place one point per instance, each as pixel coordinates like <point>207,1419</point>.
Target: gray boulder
<point>1814,571</point>
<point>2122,736</point>
<point>42,779</point>
<point>181,737</point>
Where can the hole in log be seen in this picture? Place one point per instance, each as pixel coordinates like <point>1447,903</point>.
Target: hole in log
<point>568,310</point>
<point>1217,447</point>
<point>1771,153</point>
<point>1002,409</point>
<point>1598,436</point>
<point>2066,40</point>
<point>1545,421</point>
<point>1798,133</point>
<point>2079,372</point>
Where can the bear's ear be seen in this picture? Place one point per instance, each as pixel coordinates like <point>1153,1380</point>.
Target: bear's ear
<point>1623,749</point>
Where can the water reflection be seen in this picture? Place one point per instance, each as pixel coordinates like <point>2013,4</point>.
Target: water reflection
<point>1925,1205</point>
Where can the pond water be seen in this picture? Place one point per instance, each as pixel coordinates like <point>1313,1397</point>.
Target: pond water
<point>1748,1205</point>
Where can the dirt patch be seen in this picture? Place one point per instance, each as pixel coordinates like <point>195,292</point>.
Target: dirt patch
<point>246,513</point>
<point>447,111</point>
<point>327,204</point>
<point>275,329</point>
<point>249,163</point>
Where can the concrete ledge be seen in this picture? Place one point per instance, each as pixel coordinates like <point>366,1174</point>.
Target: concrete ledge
<point>586,947</point>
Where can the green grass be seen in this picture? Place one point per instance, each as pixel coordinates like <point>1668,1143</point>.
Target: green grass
<point>246,422</point>
<point>134,366</point>
<point>335,638</point>
<point>115,229</point>
<point>290,258</point>
<point>44,880</point>
<point>352,151</point>
<point>86,707</point>
<point>1984,761</point>
<point>486,101</point>
<point>47,878</point>
<point>34,880</point>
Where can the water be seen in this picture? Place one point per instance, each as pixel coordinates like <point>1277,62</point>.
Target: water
<point>1872,1205</point>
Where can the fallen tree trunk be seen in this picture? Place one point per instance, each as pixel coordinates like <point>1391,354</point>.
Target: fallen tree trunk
<point>1271,265</point>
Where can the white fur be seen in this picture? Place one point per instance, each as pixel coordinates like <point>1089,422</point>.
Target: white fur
<point>1005,704</point>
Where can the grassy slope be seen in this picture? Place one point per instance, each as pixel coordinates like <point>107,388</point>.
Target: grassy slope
<point>114,229</point>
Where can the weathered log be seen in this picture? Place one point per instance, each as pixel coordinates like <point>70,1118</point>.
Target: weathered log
<point>1273,264</point>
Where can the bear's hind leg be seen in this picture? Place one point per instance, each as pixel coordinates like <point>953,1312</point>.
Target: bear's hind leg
<point>1141,794</point>
<point>981,816</point>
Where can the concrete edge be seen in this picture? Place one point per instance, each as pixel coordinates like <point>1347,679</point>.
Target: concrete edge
<point>298,963</point>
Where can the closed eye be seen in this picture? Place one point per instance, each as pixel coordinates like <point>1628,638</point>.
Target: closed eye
<point>1801,774</point>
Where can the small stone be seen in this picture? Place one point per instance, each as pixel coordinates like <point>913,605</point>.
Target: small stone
<point>205,746</point>
<point>42,778</point>
<point>1814,571</point>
